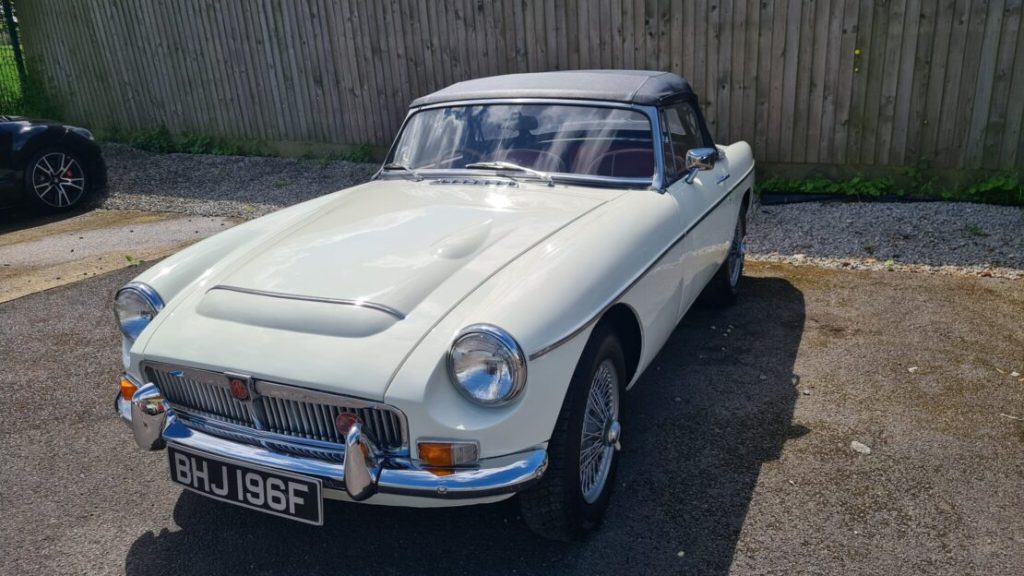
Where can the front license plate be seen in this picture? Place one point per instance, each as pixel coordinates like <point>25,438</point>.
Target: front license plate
<point>280,493</point>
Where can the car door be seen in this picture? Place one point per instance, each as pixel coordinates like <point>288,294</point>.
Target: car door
<point>697,200</point>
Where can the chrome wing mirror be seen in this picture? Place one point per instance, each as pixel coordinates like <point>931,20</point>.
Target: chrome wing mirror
<point>699,159</point>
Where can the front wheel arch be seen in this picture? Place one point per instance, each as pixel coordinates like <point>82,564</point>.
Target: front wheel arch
<point>623,321</point>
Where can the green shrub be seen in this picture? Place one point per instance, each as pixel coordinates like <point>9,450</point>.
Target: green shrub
<point>857,186</point>
<point>362,153</point>
<point>914,182</point>
<point>159,140</point>
<point>999,188</point>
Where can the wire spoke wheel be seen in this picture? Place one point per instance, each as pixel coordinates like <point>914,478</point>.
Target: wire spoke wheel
<point>599,439</point>
<point>58,179</point>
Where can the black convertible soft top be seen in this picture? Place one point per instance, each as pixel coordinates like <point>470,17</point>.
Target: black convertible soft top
<point>644,87</point>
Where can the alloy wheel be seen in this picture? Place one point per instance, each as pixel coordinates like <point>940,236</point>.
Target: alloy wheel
<point>58,179</point>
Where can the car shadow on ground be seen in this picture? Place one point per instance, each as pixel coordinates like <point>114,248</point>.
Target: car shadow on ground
<point>715,406</point>
<point>16,218</point>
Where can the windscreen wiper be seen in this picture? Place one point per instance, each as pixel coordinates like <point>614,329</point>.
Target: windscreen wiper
<point>499,165</point>
<point>396,166</point>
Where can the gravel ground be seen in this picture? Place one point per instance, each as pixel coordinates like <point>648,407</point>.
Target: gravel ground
<point>232,186</point>
<point>942,237</point>
<point>946,237</point>
<point>738,454</point>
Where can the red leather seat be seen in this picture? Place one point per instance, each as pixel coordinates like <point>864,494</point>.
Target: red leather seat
<point>625,163</point>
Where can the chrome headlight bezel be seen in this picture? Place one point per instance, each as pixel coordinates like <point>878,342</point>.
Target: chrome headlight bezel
<point>151,305</point>
<point>514,358</point>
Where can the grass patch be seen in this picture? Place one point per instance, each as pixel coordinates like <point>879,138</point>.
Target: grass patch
<point>10,86</point>
<point>29,100</point>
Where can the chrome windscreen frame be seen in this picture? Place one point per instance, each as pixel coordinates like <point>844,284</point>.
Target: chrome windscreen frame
<point>656,182</point>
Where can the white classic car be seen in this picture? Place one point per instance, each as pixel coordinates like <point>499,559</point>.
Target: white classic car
<point>461,328</point>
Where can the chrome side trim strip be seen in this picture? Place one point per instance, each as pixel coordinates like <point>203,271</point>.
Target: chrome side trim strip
<point>576,331</point>
<point>342,301</point>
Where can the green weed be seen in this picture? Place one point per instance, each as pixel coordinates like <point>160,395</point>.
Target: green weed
<point>975,230</point>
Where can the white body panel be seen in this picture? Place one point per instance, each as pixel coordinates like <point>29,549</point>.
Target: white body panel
<point>541,262</point>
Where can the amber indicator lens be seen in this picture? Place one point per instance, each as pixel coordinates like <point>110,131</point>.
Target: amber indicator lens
<point>448,454</point>
<point>127,389</point>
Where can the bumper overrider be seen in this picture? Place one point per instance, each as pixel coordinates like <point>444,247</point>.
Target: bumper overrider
<point>364,472</point>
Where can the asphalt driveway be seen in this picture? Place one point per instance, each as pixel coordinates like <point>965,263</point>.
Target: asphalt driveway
<point>736,459</point>
<point>38,252</point>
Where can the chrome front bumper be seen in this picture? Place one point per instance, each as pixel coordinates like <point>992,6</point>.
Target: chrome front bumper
<point>363,473</point>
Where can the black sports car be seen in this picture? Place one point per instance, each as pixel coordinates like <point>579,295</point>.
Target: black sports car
<point>52,165</point>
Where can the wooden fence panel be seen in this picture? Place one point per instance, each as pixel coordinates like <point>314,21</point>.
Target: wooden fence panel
<point>804,81</point>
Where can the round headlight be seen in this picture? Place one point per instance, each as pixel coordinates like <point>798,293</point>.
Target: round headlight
<point>135,305</point>
<point>487,365</point>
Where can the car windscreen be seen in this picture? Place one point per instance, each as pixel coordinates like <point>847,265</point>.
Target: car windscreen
<point>553,138</point>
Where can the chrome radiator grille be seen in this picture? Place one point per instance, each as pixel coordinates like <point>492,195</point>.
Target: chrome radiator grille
<point>285,411</point>
<point>195,395</point>
<point>316,420</point>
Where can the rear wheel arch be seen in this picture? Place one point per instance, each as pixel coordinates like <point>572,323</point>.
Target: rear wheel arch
<point>745,206</point>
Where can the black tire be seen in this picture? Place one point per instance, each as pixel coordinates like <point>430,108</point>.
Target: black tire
<point>724,287</point>
<point>556,507</point>
<point>57,179</point>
